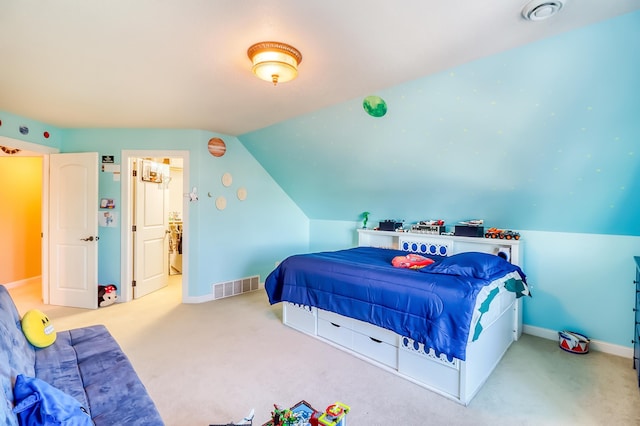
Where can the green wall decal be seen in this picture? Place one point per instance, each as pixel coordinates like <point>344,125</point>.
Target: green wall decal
<point>375,106</point>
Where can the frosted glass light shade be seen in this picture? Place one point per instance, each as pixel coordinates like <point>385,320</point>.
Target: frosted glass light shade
<point>275,62</point>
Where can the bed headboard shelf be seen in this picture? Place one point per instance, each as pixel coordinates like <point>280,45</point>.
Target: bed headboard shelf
<point>441,245</point>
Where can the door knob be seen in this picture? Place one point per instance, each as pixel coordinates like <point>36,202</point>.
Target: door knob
<point>87,239</point>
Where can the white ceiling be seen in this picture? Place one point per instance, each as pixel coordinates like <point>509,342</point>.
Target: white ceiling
<point>183,64</point>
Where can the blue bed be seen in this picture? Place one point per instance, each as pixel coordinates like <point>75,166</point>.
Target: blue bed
<point>433,305</point>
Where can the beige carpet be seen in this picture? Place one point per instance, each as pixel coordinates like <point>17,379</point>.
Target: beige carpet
<point>213,362</point>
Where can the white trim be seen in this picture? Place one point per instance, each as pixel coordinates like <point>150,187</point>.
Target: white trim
<point>19,283</point>
<point>43,151</point>
<point>596,345</point>
<point>126,273</point>
<point>27,146</point>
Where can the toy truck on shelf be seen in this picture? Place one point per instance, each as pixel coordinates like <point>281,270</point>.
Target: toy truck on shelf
<point>503,234</point>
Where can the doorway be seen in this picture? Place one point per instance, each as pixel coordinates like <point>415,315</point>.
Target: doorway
<point>44,151</point>
<point>128,251</point>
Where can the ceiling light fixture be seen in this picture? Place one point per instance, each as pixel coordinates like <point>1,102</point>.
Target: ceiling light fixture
<point>539,10</point>
<point>274,61</point>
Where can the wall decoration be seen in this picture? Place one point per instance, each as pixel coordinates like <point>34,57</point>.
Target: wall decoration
<point>9,151</point>
<point>107,203</point>
<point>46,135</point>
<point>24,130</point>
<point>221,203</point>
<point>375,106</point>
<point>193,195</point>
<point>217,147</point>
<point>242,194</point>
<point>227,179</point>
<point>108,219</point>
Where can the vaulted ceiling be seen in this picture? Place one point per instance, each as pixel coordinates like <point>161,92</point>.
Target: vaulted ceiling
<point>183,64</point>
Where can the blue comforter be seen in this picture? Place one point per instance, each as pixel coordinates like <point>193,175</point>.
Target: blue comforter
<point>433,305</point>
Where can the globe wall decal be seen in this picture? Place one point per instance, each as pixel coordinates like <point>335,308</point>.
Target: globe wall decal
<point>217,147</point>
<point>375,106</point>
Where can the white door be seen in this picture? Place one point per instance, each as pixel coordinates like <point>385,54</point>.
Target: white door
<point>73,230</point>
<point>151,239</point>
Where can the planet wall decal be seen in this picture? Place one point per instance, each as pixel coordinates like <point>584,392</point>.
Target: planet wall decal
<point>217,147</point>
<point>375,106</point>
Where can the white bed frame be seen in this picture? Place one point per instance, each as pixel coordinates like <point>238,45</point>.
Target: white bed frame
<point>456,379</point>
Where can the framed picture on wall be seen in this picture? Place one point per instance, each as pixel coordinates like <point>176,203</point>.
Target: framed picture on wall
<point>107,203</point>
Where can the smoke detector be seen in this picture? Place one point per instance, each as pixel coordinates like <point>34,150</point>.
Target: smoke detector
<point>539,10</point>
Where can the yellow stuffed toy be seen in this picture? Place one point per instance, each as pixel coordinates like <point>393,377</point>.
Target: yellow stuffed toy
<point>38,329</point>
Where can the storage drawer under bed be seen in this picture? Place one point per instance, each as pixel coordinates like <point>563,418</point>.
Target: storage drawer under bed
<point>364,338</point>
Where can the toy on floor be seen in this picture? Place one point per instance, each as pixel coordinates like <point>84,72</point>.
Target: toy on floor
<point>107,295</point>
<point>573,342</point>
<point>37,328</point>
<point>334,415</point>
<point>283,416</point>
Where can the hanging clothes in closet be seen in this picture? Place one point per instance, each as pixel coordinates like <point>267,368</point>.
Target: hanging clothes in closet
<point>175,248</point>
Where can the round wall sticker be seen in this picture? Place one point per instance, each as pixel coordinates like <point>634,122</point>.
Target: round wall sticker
<point>375,106</point>
<point>217,147</point>
<point>242,194</point>
<point>227,179</point>
<point>221,203</point>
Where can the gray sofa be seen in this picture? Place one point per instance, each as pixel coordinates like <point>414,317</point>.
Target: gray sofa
<point>85,363</point>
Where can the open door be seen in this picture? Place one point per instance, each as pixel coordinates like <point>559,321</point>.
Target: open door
<point>151,221</point>
<point>73,230</point>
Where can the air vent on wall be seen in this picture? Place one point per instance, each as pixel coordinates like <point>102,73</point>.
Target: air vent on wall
<point>235,287</point>
<point>539,10</point>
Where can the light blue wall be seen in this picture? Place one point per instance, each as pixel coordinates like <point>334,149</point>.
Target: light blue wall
<point>542,139</point>
<point>582,282</point>
<point>244,239</point>
<point>327,235</point>
<point>10,127</point>
<point>247,238</point>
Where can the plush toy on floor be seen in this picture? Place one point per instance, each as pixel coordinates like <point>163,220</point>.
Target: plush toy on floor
<point>107,295</point>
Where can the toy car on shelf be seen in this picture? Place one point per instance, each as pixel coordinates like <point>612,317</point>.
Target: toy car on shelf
<point>503,234</point>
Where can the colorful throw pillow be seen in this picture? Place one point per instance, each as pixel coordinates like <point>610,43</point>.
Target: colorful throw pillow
<point>412,261</point>
<point>39,403</point>
<point>38,329</point>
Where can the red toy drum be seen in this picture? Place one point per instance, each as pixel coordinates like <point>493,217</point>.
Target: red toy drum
<point>573,342</point>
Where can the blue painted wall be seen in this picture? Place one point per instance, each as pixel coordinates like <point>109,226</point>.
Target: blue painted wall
<point>542,139</point>
<point>224,244</point>
<point>246,238</point>
<point>10,125</point>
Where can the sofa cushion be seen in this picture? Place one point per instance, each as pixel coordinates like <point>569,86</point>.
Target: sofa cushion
<point>102,372</point>
<point>17,355</point>
<point>58,366</point>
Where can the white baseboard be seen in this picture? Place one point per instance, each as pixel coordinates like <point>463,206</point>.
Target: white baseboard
<point>26,281</point>
<point>595,345</point>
